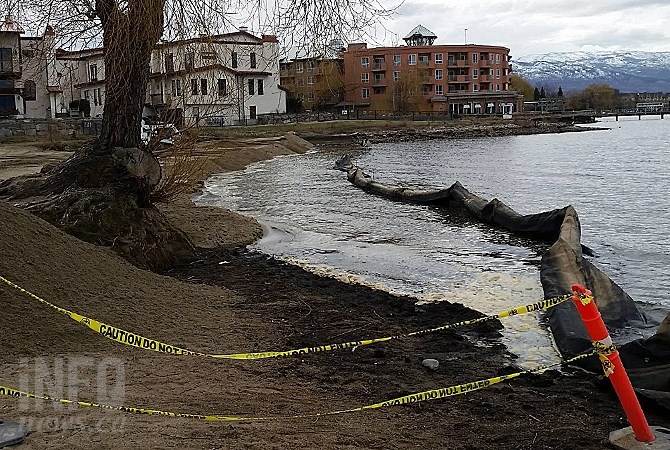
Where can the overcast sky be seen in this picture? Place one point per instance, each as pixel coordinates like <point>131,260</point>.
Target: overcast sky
<point>538,26</point>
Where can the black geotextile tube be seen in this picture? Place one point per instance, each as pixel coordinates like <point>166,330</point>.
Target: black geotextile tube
<point>563,264</point>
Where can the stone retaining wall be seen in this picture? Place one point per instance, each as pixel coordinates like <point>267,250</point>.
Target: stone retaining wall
<point>47,127</point>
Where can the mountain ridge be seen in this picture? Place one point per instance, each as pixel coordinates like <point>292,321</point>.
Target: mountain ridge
<point>627,71</point>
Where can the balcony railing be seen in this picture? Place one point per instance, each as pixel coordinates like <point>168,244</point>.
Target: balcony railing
<point>379,66</point>
<point>459,63</point>
<point>161,99</point>
<point>459,78</point>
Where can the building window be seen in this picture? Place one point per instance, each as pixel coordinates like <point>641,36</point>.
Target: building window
<point>29,90</point>
<point>438,58</point>
<point>497,87</point>
<point>475,87</point>
<point>196,112</point>
<point>310,80</point>
<point>301,82</point>
<point>97,97</point>
<point>365,93</point>
<point>365,61</point>
<point>475,58</point>
<point>169,63</point>
<point>365,77</point>
<point>411,59</point>
<point>397,60</point>
<point>438,74</point>
<point>87,94</point>
<point>497,57</point>
<point>252,60</point>
<point>233,60</point>
<point>203,86</point>
<point>261,88</point>
<point>6,61</point>
<point>252,85</point>
<point>176,88</point>
<point>298,67</point>
<point>222,87</point>
<point>475,74</point>
<point>93,72</point>
<point>498,73</point>
<point>310,66</point>
<point>208,55</point>
<point>189,61</point>
<point>310,96</point>
<point>194,86</point>
<point>396,76</point>
<point>439,90</point>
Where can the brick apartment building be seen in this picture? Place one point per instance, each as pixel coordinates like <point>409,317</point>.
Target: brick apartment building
<point>422,77</point>
<point>313,83</point>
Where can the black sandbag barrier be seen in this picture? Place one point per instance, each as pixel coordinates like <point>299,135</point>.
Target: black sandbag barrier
<point>562,265</point>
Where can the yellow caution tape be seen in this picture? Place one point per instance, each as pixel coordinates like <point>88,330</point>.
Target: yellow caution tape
<point>603,350</point>
<point>585,299</point>
<point>135,340</point>
<point>433,394</point>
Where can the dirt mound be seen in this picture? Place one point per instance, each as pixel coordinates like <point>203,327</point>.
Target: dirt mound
<point>93,281</point>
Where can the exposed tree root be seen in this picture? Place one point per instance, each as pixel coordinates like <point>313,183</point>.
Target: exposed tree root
<point>103,198</point>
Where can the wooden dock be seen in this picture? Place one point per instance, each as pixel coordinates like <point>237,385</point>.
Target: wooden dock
<point>633,113</point>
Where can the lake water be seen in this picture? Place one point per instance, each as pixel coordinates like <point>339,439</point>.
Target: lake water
<point>617,179</point>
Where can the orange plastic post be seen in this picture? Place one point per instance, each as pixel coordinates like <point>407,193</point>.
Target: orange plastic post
<point>619,378</point>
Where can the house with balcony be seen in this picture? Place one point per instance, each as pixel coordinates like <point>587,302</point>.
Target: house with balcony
<point>428,78</point>
<point>213,80</point>
<point>216,80</point>
<point>84,78</point>
<point>30,79</point>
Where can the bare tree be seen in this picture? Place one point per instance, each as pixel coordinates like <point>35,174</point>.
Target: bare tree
<point>406,91</point>
<point>102,193</point>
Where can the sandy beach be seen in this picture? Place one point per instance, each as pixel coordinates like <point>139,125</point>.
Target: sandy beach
<point>231,300</point>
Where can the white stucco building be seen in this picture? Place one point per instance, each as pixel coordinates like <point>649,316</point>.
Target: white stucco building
<point>29,74</point>
<point>215,80</point>
<point>84,77</point>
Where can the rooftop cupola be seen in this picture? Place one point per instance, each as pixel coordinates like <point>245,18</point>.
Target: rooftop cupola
<point>9,25</point>
<point>420,36</point>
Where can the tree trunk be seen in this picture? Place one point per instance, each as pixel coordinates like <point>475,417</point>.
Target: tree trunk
<point>102,194</point>
<point>129,38</point>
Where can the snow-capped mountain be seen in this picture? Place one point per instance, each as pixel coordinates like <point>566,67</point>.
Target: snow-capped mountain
<point>626,71</point>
